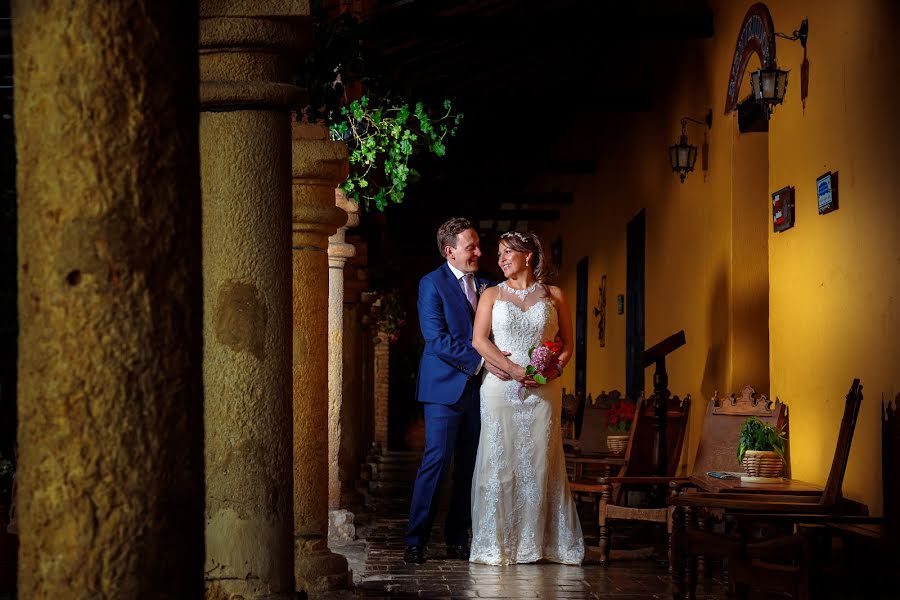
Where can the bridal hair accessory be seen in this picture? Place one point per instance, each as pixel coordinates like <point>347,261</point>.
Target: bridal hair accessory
<point>521,237</point>
<point>543,361</point>
<point>481,288</point>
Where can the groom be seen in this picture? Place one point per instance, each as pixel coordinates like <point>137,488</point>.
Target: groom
<point>448,385</point>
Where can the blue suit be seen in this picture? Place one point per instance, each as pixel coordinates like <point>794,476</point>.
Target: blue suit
<point>449,388</point>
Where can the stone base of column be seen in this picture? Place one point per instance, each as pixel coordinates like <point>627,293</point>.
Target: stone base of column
<point>340,526</point>
<point>316,568</point>
<point>245,591</point>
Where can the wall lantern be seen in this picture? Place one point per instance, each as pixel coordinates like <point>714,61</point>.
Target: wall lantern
<point>683,155</point>
<point>769,83</point>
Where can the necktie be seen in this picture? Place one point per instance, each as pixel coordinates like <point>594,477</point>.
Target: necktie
<point>469,287</point>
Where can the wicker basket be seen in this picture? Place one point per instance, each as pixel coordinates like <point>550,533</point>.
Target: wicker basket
<point>616,443</point>
<point>762,463</point>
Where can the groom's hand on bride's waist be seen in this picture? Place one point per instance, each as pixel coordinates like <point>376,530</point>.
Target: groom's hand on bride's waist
<point>497,371</point>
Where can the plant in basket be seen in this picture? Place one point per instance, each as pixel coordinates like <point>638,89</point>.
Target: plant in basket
<point>761,448</point>
<point>619,418</point>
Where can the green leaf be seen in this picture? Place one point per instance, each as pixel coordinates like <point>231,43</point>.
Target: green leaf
<point>530,370</point>
<point>447,104</point>
<point>539,378</point>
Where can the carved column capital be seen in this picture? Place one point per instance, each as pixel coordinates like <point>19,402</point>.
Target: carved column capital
<point>319,165</point>
<point>245,53</point>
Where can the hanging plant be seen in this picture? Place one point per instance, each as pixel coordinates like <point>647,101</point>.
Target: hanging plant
<point>382,132</point>
<point>381,136</point>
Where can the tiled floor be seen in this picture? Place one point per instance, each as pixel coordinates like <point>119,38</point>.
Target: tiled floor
<point>381,573</point>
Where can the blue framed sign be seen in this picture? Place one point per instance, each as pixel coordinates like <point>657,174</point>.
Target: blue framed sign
<point>826,192</point>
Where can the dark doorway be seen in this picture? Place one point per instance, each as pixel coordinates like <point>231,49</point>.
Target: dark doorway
<point>581,326</point>
<point>634,305</point>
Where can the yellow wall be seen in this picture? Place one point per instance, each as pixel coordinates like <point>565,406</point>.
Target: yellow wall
<point>833,280</point>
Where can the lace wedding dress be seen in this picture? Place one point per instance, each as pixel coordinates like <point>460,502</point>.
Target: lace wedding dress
<point>522,509</point>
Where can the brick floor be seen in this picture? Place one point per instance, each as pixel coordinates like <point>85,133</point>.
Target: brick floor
<point>383,574</point>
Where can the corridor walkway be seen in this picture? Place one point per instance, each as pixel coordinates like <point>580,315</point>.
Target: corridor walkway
<point>385,575</point>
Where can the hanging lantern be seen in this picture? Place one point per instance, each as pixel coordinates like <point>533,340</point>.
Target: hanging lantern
<point>683,155</point>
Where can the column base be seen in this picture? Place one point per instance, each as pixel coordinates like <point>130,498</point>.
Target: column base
<point>244,590</point>
<point>316,568</point>
<point>340,526</point>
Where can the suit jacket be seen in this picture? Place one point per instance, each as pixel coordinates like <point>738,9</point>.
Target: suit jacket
<point>446,319</point>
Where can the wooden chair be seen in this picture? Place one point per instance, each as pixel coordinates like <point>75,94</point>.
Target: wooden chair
<point>717,448</point>
<point>571,419</point>
<point>589,424</point>
<point>754,526</point>
<point>868,550</point>
<point>638,468</point>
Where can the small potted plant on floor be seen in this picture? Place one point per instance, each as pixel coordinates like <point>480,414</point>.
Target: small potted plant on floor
<point>761,451</point>
<point>619,418</point>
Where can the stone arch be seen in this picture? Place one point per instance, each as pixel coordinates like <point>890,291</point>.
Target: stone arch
<point>756,35</point>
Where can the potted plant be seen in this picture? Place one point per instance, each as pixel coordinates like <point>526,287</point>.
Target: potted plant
<point>619,418</point>
<point>761,450</point>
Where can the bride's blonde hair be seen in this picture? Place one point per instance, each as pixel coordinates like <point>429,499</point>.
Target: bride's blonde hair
<point>529,242</point>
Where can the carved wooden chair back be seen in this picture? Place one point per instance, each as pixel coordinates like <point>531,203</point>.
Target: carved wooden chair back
<point>572,405</point>
<point>592,431</point>
<point>717,450</point>
<point>639,454</point>
<point>832,492</point>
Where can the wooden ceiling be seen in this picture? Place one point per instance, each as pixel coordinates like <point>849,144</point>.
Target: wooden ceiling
<point>512,67</point>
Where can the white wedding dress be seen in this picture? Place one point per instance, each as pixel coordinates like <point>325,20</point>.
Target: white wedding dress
<point>522,509</point>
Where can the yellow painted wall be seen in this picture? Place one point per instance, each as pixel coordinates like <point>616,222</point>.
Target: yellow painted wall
<point>833,280</point>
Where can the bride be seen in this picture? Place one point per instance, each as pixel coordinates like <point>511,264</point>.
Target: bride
<point>522,509</point>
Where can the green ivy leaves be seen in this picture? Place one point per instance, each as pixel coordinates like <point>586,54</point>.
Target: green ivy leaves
<point>381,140</point>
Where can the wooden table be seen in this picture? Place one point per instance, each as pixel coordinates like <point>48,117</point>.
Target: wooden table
<point>788,487</point>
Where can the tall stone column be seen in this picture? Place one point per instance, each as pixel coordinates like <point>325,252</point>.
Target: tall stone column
<point>382,374</point>
<point>245,157</point>
<point>338,253</point>
<point>319,165</point>
<point>355,415</point>
<point>110,472</point>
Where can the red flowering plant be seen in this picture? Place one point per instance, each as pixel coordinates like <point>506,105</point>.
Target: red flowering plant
<point>620,416</point>
<point>544,361</point>
<point>391,316</point>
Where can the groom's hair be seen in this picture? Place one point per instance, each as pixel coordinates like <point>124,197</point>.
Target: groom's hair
<point>446,234</point>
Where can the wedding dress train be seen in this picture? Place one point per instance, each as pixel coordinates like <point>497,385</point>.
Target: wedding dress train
<point>522,509</point>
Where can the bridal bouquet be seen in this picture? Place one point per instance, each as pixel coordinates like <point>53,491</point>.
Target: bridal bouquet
<point>543,361</point>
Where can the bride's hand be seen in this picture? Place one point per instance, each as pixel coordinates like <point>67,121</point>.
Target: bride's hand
<point>518,373</point>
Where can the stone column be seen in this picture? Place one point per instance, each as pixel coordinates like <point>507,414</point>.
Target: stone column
<point>340,519</point>
<point>245,157</point>
<point>382,378</point>
<point>319,165</point>
<point>355,416</point>
<point>338,253</point>
<point>110,472</point>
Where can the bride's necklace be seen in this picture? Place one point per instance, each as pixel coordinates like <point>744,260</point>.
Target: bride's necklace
<point>519,293</point>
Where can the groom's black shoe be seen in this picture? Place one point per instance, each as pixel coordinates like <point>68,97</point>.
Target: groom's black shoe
<point>458,551</point>
<point>414,555</point>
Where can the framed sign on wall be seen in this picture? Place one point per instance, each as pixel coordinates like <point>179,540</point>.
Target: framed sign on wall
<point>783,209</point>
<point>827,192</point>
